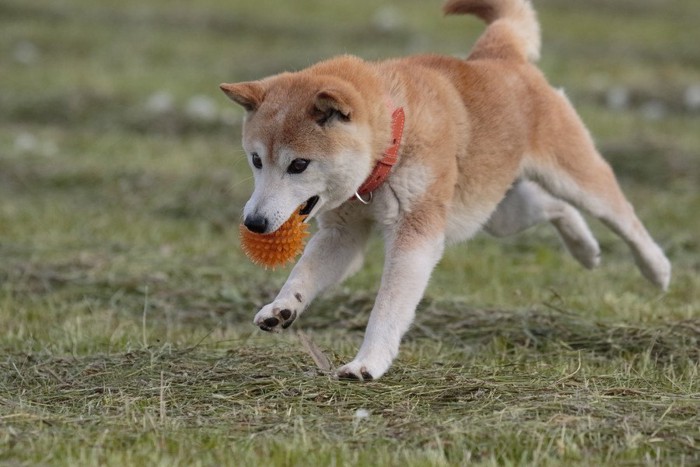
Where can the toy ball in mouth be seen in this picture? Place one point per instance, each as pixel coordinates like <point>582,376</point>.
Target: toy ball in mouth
<point>277,248</point>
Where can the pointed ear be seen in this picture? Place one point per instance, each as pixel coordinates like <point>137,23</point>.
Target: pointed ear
<point>329,104</point>
<point>249,94</point>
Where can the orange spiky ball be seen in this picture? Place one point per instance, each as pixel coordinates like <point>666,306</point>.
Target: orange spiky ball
<point>279,247</point>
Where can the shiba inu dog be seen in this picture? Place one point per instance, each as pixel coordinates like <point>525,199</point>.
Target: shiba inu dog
<point>431,149</point>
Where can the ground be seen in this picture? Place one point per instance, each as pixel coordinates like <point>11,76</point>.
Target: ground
<point>126,304</point>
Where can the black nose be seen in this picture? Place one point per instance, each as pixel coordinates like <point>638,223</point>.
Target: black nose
<point>256,223</point>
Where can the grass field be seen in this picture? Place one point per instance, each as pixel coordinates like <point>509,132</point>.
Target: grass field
<point>126,304</point>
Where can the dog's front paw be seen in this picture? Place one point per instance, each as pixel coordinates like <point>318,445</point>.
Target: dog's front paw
<point>362,370</point>
<point>275,317</point>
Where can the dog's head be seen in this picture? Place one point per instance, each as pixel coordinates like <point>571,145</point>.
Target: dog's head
<point>308,140</point>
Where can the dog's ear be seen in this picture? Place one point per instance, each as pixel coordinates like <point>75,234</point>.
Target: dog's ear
<point>249,94</point>
<point>330,104</point>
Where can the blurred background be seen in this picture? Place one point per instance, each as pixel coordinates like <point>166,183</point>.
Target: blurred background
<point>126,303</point>
<point>121,172</point>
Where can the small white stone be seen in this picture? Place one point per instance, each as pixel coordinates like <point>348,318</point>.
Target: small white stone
<point>160,102</point>
<point>617,98</point>
<point>654,110</point>
<point>202,108</point>
<point>26,142</point>
<point>387,19</point>
<point>361,414</point>
<point>691,97</point>
<point>26,53</point>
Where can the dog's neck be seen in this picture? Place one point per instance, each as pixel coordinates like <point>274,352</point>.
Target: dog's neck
<point>391,154</point>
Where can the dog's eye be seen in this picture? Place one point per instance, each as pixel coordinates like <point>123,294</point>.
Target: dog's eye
<point>257,162</point>
<point>330,115</point>
<point>298,166</point>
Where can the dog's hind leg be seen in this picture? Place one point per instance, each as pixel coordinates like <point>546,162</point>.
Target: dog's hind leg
<point>527,204</point>
<point>569,167</point>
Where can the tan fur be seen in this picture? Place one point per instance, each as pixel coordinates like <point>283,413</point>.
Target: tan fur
<point>473,128</point>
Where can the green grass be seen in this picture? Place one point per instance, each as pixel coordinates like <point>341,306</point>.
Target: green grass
<point>126,304</point>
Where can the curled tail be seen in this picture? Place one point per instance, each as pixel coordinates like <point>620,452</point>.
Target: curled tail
<point>513,32</point>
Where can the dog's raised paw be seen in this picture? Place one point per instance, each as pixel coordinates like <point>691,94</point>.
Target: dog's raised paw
<point>273,319</point>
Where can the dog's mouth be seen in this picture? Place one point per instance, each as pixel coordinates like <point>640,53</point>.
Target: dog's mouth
<point>309,206</point>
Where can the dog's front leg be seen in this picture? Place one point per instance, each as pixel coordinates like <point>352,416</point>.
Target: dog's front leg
<point>334,252</point>
<point>408,265</point>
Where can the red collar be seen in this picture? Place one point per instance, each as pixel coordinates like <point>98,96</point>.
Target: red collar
<point>390,158</point>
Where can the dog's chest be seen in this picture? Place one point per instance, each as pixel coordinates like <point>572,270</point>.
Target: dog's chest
<point>406,186</point>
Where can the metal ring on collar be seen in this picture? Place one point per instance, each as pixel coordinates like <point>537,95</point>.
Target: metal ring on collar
<point>361,200</point>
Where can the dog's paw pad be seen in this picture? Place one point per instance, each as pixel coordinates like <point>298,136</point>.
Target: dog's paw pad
<point>271,320</point>
<point>349,373</point>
